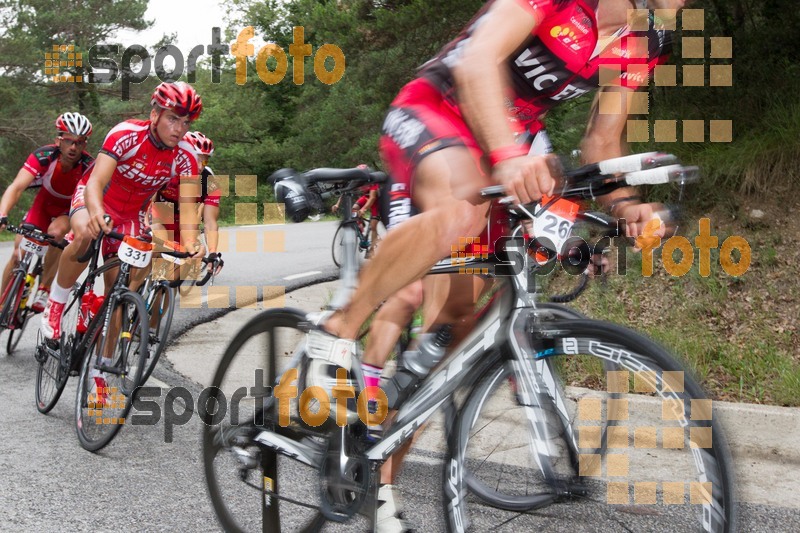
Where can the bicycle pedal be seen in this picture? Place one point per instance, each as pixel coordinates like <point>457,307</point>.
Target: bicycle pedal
<point>109,369</point>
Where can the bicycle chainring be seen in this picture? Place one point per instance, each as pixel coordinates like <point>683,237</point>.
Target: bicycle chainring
<point>345,481</point>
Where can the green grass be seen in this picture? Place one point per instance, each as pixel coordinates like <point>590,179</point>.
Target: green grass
<point>728,330</point>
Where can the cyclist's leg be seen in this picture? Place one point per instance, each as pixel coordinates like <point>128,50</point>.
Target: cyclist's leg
<point>389,323</point>
<point>69,270</point>
<point>58,228</point>
<point>373,235</point>
<point>446,189</point>
<point>385,329</point>
<point>448,300</point>
<point>13,261</point>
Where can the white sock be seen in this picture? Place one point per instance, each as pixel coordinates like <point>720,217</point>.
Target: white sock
<point>58,293</point>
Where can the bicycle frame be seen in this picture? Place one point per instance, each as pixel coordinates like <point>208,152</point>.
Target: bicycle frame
<point>499,336</point>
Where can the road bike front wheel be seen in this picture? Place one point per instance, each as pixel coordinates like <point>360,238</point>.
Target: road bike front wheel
<point>252,487</point>
<point>15,333</point>
<point>9,302</point>
<point>677,475</point>
<point>99,415</point>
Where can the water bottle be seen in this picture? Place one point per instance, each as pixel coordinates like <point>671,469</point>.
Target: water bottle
<point>95,307</point>
<point>83,314</point>
<point>26,290</point>
<point>415,365</point>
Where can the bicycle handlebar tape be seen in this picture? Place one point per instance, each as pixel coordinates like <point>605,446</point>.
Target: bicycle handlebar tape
<point>625,164</point>
<point>656,176</point>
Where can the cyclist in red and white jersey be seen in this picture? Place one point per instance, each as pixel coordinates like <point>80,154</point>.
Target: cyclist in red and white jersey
<point>167,208</point>
<point>137,158</point>
<point>368,202</point>
<point>55,169</point>
<point>453,131</point>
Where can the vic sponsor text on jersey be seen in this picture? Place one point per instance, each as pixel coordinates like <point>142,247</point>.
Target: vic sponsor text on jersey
<point>542,79</point>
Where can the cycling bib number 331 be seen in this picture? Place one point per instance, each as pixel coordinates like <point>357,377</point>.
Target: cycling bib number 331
<point>137,254</point>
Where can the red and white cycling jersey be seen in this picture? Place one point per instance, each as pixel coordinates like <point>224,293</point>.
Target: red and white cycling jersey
<point>209,192</point>
<point>56,185</point>
<point>45,165</point>
<point>144,166</point>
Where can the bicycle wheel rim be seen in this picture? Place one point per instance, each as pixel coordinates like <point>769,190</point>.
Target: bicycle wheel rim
<point>51,378</point>
<point>165,313</point>
<point>337,248</point>
<point>11,298</point>
<point>14,335</point>
<point>97,423</point>
<point>638,487</point>
<point>239,504</point>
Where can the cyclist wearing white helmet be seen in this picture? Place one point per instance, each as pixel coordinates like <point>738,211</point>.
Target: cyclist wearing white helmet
<point>56,170</point>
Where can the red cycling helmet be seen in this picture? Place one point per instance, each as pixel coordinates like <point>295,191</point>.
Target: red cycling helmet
<point>179,97</point>
<point>201,144</point>
<point>74,123</point>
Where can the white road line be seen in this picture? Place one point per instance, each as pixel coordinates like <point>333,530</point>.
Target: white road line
<point>303,275</point>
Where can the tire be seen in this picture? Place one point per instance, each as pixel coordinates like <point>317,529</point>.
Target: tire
<point>337,248</point>
<point>10,299</point>
<point>487,441</point>
<point>51,377</point>
<point>97,427</point>
<point>235,465</point>
<point>14,335</point>
<point>489,492</point>
<point>157,342</point>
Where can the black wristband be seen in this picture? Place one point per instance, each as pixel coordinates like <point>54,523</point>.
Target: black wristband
<point>618,201</point>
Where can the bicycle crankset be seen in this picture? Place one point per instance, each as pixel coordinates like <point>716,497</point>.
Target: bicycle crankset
<point>345,479</point>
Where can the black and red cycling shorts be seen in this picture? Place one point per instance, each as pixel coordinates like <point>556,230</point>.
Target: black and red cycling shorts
<point>420,122</point>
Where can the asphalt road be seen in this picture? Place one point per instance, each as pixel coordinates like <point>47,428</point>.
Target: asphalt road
<point>49,483</point>
<point>140,482</point>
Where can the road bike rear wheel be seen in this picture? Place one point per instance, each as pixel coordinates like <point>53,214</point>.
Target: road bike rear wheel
<point>97,418</point>
<point>53,372</point>
<point>249,483</point>
<point>160,304</point>
<point>678,475</point>
<point>51,376</point>
<point>337,248</point>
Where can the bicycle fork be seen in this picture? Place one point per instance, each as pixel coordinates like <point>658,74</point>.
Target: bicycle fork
<point>539,393</point>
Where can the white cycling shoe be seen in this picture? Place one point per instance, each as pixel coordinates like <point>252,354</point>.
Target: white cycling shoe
<point>327,354</point>
<point>390,515</point>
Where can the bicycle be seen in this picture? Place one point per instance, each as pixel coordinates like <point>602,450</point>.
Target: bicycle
<point>515,336</point>
<point>362,229</point>
<point>86,327</point>
<point>158,292</point>
<point>14,309</point>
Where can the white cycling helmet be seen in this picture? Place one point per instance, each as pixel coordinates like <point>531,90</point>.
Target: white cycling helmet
<point>74,123</point>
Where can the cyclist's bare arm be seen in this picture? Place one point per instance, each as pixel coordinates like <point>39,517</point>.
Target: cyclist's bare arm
<point>93,195</point>
<point>15,190</point>
<point>482,80</point>
<point>210,218</point>
<point>604,139</point>
<point>189,218</point>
